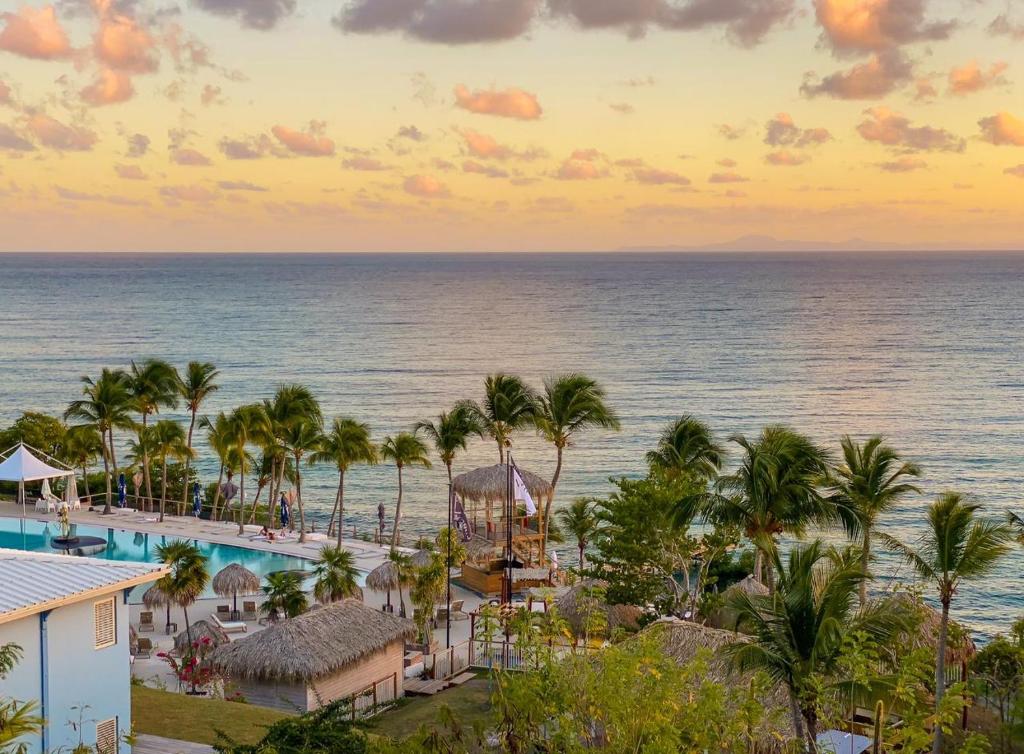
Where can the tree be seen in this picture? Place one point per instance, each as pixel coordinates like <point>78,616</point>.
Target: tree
<point>18,720</point>
<point>284,595</point>
<point>798,631</point>
<point>82,445</point>
<point>957,546</point>
<point>580,520</point>
<point>301,438</point>
<point>218,437</point>
<point>245,425</point>
<point>450,433</point>
<point>106,406</point>
<point>403,449</point>
<point>195,387</point>
<point>426,590</point>
<point>347,443</point>
<point>509,405</point>
<point>999,665</point>
<point>39,431</point>
<point>687,447</point>
<point>291,403</point>
<point>188,576</point>
<point>167,440</point>
<point>154,385</point>
<point>404,575</point>
<point>570,404</point>
<point>870,481</point>
<point>337,577</point>
<point>775,490</point>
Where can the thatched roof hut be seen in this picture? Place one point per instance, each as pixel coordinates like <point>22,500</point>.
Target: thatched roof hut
<point>312,645</point>
<point>197,632</point>
<point>488,484</point>
<point>960,647</point>
<point>234,579</point>
<point>383,578</point>
<point>421,558</point>
<point>574,605</point>
<point>155,597</point>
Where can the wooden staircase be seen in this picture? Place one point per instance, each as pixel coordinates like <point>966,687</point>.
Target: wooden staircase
<point>429,687</point>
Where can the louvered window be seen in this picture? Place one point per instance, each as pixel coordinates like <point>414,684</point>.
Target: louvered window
<point>105,618</point>
<point>106,736</point>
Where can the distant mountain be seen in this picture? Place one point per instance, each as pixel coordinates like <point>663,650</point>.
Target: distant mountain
<point>768,243</point>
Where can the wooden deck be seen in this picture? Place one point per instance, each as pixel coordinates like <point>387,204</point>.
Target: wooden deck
<point>156,745</point>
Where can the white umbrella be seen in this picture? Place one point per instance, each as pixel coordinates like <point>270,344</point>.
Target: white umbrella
<point>46,493</point>
<point>72,490</point>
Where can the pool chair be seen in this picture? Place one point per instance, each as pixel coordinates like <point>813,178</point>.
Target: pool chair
<point>146,622</point>
<point>145,648</point>
<point>229,626</point>
<point>249,611</point>
<point>224,612</point>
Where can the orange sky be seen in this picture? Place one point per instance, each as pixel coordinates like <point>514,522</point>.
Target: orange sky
<point>508,124</point>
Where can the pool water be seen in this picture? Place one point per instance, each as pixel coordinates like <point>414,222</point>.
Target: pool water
<point>34,536</point>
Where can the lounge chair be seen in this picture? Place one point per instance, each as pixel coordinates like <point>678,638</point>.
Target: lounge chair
<point>145,648</point>
<point>224,612</point>
<point>229,626</point>
<point>146,622</point>
<point>457,612</point>
<point>249,611</point>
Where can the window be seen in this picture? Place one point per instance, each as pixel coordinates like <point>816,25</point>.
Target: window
<point>106,736</point>
<point>105,618</point>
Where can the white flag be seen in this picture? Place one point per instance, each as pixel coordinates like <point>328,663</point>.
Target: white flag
<point>523,494</point>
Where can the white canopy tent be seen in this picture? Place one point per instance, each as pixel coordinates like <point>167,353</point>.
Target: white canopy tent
<point>20,465</point>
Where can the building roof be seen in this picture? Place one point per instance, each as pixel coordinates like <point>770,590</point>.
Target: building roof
<point>35,582</point>
<point>22,466</point>
<point>312,645</point>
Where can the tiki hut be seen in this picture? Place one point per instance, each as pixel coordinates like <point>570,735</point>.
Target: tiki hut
<point>384,578</point>
<point>578,608</point>
<point>339,651</point>
<point>233,580</point>
<point>156,598</point>
<point>199,631</point>
<point>725,617</point>
<point>960,647</point>
<point>484,491</point>
<point>421,558</point>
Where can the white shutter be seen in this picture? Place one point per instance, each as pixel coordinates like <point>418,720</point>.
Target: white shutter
<point>105,619</point>
<point>106,736</point>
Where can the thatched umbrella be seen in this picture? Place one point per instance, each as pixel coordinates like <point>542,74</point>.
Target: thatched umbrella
<point>575,606</point>
<point>154,598</point>
<point>384,578</point>
<point>234,580</point>
<point>421,558</point>
<point>198,631</point>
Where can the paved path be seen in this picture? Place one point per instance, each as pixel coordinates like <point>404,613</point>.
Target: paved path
<point>155,745</point>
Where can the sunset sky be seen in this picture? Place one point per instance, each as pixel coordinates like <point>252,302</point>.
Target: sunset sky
<point>508,124</point>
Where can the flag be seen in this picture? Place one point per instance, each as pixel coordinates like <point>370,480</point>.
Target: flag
<point>461,522</point>
<point>523,494</point>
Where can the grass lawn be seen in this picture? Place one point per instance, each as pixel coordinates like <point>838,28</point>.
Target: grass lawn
<point>470,702</point>
<point>190,718</point>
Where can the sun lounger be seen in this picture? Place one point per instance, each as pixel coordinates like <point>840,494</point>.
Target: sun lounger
<point>249,611</point>
<point>146,622</point>
<point>145,648</point>
<point>229,626</point>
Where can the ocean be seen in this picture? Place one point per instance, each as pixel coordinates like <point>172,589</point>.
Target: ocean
<point>926,349</point>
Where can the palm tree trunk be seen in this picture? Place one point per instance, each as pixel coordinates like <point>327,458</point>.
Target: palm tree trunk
<point>188,466</point>
<point>582,546</point>
<point>85,480</point>
<point>547,506</point>
<point>940,670</point>
<point>798,719</point>
<point>272,507</point>
<point>501,450</point>
<point>401,598</point>
<point>241,498</point>
<point>865,559</point>
<point>298,499</point>
<point>188,627</point>
<point>145,461</point>
<point>394,529</point>
<point>256,502</point>
<point>341,507</point>
<point>163,489</point>
<point>113,464</point>
<point>811,719</point>
<point>334,513</point>
<point>216,493</point>
<point>106,471</point>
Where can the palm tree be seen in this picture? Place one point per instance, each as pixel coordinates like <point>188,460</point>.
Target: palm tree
<point>450,433</point>
<point>774,491</point>
<point>406,575</point>
<point>188,576</point>
<point>337,577</point>
<point>687,448</point>
<point>168,441</point>
<point>195,387</point>
<point>798,632</point>
<point>581,521</point>
<point>870,481</point>
<point>284,595</point>
<point>404,449</point>
<point>82,445</point>
<point>509,405</point>
<point>154,384</point>
<point>218,437</point>
<point>301,438</point>
<point>570,404</point>
<point>245,424</point>
<point>957,546</point>
<point>106,406</point>
<point>347,444</point>
<point>290,404</point>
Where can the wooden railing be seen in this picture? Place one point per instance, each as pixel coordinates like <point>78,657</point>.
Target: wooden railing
<point>374,698</point>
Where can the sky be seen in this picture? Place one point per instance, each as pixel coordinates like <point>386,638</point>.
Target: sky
<point>509,125</point>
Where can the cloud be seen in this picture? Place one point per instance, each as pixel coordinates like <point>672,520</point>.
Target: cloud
<point>905,164</point>
<point>727,162</point>
<point>252,14</point>
<point>122,44</point>
<point>138,145</point>
<point>782,131</point>
<point>246,147</point>
<point>623,108</point>
<point>362,162</point>
<point>11,140</point>
<point>34,33</point>
<point>552,204</point>
<point>658,177</point>
<point>482,145</point>
<point>727,178</point>
<point>211,95</point>
<point>894,130</point>
<point>785,158</point>
<point>5,93</point>
<point>54,134</point>
<point>109,88</point>
<point>240,186</point>
<point>309,143</point>
<point>509,103</point>
<point>491,171</point>
<point>874,78</point>
<point>199,194</point>
<point>425,186</point>
<point>130,172</point>
<point>579,170</point>
<point>411,133</point>
<point>924,90</point>
<point>443,21</point>
<point>1017,171</point>
<point>190,158</point>
<point>730,132</point>
<point>970,78</point>
<point>877,25</point>
<point>636,83</point>
<point>1002,129</point>
<point>72,195</point>
<point>1003,26</point>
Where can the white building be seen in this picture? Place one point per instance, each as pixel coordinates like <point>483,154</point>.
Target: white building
<point>69,616</point>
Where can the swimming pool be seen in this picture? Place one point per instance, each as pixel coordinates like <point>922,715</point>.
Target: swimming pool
<point>23,534</point>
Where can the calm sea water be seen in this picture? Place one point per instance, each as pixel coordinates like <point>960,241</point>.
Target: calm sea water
<point>926,349</point>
